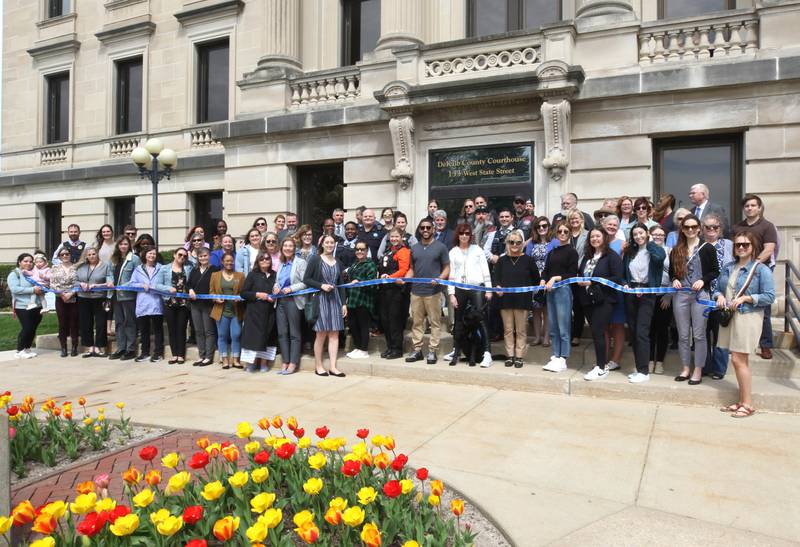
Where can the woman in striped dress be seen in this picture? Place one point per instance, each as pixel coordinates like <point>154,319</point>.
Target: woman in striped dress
<point>324,272</point>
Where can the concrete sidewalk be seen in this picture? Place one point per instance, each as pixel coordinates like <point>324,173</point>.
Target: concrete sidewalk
<point>548,468</point>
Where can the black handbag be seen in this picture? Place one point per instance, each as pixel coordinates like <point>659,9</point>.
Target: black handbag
<point>596,294</point>
<point>312,308</point>
<point>726,313</point>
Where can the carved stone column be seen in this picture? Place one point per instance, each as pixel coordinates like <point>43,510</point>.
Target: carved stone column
<point>402,130</point>
<point>283,36</point>
<point>401,23</point>
<point>594,8</point>
<point>556,118</point>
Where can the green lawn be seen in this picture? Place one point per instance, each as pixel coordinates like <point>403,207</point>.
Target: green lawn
<point>9,328</point>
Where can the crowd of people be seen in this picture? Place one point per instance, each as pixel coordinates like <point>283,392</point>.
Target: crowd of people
<point>243,298</point>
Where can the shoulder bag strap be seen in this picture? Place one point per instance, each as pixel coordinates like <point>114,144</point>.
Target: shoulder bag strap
<point>747,281</point>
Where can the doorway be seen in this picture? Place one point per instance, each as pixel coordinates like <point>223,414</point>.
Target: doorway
<point>320,190</point>
<point>208,211</point>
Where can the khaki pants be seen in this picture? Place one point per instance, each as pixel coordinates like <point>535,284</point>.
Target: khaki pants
<point>422,307</point>
<point>515,323</point>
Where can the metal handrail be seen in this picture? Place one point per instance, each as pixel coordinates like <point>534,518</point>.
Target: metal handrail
<point>791,314</point>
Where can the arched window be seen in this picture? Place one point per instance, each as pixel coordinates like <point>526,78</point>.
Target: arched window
<point>498,16</point>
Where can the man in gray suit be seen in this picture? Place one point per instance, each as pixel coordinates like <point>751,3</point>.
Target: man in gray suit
<point>699,195</point>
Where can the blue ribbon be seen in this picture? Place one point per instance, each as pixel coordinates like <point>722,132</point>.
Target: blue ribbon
<point>391,281</point>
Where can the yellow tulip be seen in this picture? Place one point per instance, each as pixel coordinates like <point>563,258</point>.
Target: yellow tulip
<point>360,449</point>
<point>97,428</point>
<point>317,461</point>
<point>252,447</point>
<point>340,504</point>
<point>212,491</point>
<point>55,509</point>
<point>353,516</point>
<point>125,526</point>
<point>303,517</point>
<point>388,442</point>
<point>382,460</point>
<point>171,460</point>
<point>257,532</point>
<point>366,495</point>
<point>170,526</point>
<point>5,524</point>
<point>377,440</point>
<point>238,479</point>
<point>101,410</point>
<point>44,542</point>
<point>87,421</point>
<point>143,498</point>
<point>271,518</point>
<point>411,543</point>
<point>160,516</point>
<point>434,500</point>
<point>177,482</point>
<point>370,535</point>
<point>101,417</point>
<point>271,441</point>
<point>120,405</point>
<point>259,474</point>
<point>244,430</point>
<point>105,504</point>
<point>84,503</point>
<point>280,441</point>
<point>261,502</point>
<point>406,485</point>
<point>305,442</point>
<point>312,486</point>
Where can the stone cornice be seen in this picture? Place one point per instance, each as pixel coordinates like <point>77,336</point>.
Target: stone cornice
<point>62,44</point>
<point>53,21</point>
<point>124,30</point>
<point>200,11</point>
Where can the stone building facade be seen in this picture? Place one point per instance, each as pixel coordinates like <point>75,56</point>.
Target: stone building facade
<point>284,105</point>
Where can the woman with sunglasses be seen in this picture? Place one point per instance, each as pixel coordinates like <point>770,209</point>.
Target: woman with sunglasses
<point>537,248</point>
<point>62,278</point>
<point>194,233</point>
<point>260,224</point>
<point>598,300</point>
<point>259,336</point>
<point>170,280</point>
<point>200,309</point>
<point>289,309</point>
<point>692,264</point>
<point>269,245</point>
<point>149,306</point>
<point>561,264</point>
<point>197,244</point>
<point>577,237</point>
<point>672,237</point>
<point>227,245</point>
<point>644,267</point>
<point>644,213</point>
<point>662,310</point>
<point>361,302</point>
<point>304,238</point>
<point>228,313</point>
<point>246,256</point>
<point>387,218</point>
<point>394,263</point>
<point>468,264</point>
<point>741,336</point>
<point>515,269</point>
<point>717,359</point>
<point>467,215</point>
<point>124,263</point>
<point>324,272</point>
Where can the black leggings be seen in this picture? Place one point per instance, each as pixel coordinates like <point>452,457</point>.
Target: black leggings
<point>599,319</point>
<point>394,312</point>
<point>476,298</point>
<point>92,317</point>
<point>143,323</point>
<point>659,331</point>
<point>360,321</point>
<point>578,315</point>
<point>177,317</point>
<point>29,321</point>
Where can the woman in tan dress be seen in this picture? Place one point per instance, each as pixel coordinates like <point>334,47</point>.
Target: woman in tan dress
<point>741,335</point>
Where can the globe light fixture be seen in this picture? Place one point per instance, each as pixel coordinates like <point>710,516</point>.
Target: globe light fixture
<point>147,159</point>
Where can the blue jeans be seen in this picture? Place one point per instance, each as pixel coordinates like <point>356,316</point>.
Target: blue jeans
<point>228,328</point>
<point>559,314</point>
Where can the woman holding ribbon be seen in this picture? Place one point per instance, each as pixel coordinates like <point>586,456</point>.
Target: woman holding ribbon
<point>93,306</point>
<point>124,262</point>
<point>361,302</point>
<point>228,312</point>
<point>63,280</point>
<point>561,264</point>
<point>394,264</point>
<point>259,337</point>
<point>644,267</point>
<point>23,292</point>
<point>745,288</point>
<point>200,308</point>
<point>169,281</point>
<point>692,265</point>
<point>537,248</point>
<point>290,308</point>
<point>149,305</point>
<point>662,312</point>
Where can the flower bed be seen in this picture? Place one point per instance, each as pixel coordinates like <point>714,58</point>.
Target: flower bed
<point>282,490</point>
<point>56,435</point>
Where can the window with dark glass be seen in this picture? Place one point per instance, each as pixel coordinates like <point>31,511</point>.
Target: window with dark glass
<point>124,213</point>
<point>129,95</point>
<point>52,227</point>
<point>715,161</point>
<point>57,8</point>
<point>497,16</point>
<point>208,210</point>
<point>58,108</point>
<point>212,81</point>
<point>362,28</point>
<point>687,8</point>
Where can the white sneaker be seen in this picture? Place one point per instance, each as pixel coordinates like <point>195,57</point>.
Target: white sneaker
<point>612,366</point>
<point>487,360</point>
<point>638,378</point>
<point>556,364</point>
<point>449,356</point>
<point>658,368</point>
<point>596,373</point>
<point>28,354</point>
<point>361,354</point>
<point>19,354</point>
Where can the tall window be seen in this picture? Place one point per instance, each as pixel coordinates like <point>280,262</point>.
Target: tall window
<point>124,213</point>
<point>52,227</point>
<point>57,108</point>
<point>57,8</point>
<point>498,16</point>
<point>362,28</point>
<point>208,211</point>
<point>129,95</point>
<point>686,8</point>
<point>715,161</point>
<point>212,81</point>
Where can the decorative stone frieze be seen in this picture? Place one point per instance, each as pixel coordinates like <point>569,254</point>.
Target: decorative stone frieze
<point>484,61</point>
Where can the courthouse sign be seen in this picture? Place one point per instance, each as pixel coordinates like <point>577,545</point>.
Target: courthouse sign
<point>488,165</point>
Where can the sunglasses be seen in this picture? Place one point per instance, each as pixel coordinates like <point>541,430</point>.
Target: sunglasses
<point>543,226</point>
<point>711,227</point>
<point>264,259</point>
<point>745,245</point>
<point>469,206</point>
<point>196,240</point>
<point>64,254</point>
<point>691,227</point>
<point>267,241</point>
<point>181,255</point>
<point>642,208</point>
<point>261,223</point>
<point>465,234</point>
<point>514,242</point>
<point>425,228</point>
<point>602,215</point>
<point>562,231</point>
<point>361,249</point>
<point>130,234</point>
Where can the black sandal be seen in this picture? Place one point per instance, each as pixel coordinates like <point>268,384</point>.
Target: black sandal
<point>172,361</point>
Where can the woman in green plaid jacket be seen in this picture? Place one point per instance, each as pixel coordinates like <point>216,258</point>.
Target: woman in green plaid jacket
<point>361,302</point>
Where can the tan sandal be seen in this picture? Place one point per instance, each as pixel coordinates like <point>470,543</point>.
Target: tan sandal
<point>743,411</point>
<point>730,408</point>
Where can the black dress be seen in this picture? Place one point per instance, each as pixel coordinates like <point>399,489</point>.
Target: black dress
<point>258,330</point>
<point>517,271</point>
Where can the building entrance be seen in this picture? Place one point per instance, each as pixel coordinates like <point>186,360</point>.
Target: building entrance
<point>320,189</point>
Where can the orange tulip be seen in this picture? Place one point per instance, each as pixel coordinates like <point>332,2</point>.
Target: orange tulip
<point>82,401</point>
<point>153,477</point>
<point>370,535</point>
<point>132,476</point>
<point>457,507</point>
<point>225,527</point>
<point>292,423</point>
<point>381,460</point>
<point>85,487</point>
<point>28,400</point>
<point>308,532</point>
<point>56,411</point>
<point>437,487</point>
<point>44,524</point>
<point>277,422</point>
<point>231,453</point>
<point>263,423</point>
<point>23,513</point>
<point>333,516</point>
<point>203,443</point>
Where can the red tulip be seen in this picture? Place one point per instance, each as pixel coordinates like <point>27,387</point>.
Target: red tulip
<point>285,451</point>
<point>199,460</point>
<point>362,433</point>
<point>91,525</point>
<point>351,468</point>
<point>13,410</point>
<point>399,462</point>
<point>196,543</point>
<point>392,489</point>
<point>422,473</point>
<point>322,432</point>
<point>299,432</point>
<point>148,453</point>
<point>192,514</point>
<point>118,511</point>
<point>261,458</point>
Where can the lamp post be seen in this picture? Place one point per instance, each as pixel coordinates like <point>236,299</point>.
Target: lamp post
<point>147,160</point>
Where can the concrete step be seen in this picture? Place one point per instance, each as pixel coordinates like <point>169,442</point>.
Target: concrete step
<point>776,383</point>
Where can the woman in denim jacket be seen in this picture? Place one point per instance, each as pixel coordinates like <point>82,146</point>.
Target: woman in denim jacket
<point>742,334</point>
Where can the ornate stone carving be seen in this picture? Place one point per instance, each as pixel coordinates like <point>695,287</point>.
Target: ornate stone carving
<point>402,130</point>
<point>489,60</point>
<point>556,118</point>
